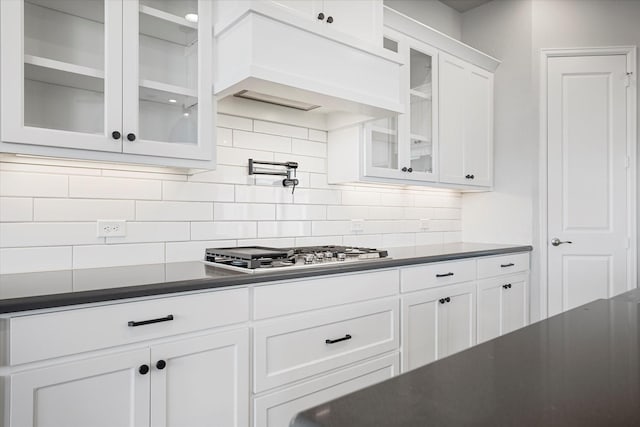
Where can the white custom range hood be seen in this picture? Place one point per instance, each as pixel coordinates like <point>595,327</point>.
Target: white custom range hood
<point>267,54</point>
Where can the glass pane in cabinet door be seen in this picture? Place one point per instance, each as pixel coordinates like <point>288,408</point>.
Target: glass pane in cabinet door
<point>168,55</point>
<point>64,65</point>
<point>384,143</point>
<point>421,112</point>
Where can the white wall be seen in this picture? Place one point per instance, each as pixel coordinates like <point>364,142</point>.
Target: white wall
<point>432,13</point>
<point>515,31</point>
<point>48,211</point>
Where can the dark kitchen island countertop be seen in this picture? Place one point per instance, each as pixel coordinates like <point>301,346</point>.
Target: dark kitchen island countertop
<point>31,291</point>
<point>579,368</point>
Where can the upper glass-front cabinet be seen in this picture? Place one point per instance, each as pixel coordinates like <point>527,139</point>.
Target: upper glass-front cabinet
<point>119,76</point>
<point>404,147</point>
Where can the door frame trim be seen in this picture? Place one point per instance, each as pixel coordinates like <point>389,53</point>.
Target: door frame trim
<point>545,54</point>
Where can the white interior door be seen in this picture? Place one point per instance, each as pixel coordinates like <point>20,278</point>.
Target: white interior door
<point>587,179</point>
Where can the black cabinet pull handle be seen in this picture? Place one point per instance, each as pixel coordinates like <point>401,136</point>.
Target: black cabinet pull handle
<point>344,338</point>
<point>321,16</point>
<point>143,369</point>
<point>330,19</point>
<point>507,265</point>
<point>445,274</point>
<point>131,137</point>
<point>116,135</point>
<point>161,364</point>
<point>150,321</point>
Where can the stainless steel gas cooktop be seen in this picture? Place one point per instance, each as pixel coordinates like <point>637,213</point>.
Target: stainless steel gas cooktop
<point>259,259</point>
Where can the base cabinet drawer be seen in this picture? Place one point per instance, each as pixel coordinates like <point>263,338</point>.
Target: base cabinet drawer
<point>60,333</point>
<point>296,347</point>
<point>504,264</point>
<point>277,409</point>
<point>436,274</point>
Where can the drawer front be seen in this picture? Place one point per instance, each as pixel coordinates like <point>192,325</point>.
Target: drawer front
<point>303,295</point>
<point>436,274</point>
<point>277,409</point>
<point>44,336</point>
<point>504,264</point>
<point>300,346</point>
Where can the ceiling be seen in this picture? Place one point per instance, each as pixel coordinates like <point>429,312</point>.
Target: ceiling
<point>464,5</point>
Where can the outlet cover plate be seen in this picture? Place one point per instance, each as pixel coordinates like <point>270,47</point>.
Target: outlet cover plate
<point>357,225</point>
<point>112,228</point>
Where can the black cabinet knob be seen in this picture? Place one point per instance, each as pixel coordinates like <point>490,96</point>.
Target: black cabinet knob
<point>410,170</point>
<point>404,169</point>
<point>330,19</point>
<point>131,137</point>
<point>442,300</point>
<point>507,286</point>
<point>321,16</point>
<point>161,364</point>
<point>469,176</point>
<point>143,369</point>
<point>116,135</point>
<point>448,299</point>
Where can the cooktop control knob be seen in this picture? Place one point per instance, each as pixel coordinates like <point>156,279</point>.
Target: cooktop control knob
<point>328,255</point>
<point>320,256</point>
<point>309,258</point>
<point>342,256</point>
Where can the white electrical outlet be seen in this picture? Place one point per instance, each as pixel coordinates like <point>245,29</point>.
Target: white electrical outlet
<point>112,228</point>
<point>357,225</point>
<point>424,224</point>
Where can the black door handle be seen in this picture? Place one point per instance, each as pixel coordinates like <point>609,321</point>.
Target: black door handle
<point>445,274</point>
<point>344,338</point>
<point>133,323</point>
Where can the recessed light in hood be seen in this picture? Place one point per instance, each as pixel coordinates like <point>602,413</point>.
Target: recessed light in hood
<point>275,100</point>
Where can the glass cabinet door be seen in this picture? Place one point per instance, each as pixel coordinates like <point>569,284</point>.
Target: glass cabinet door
<point>420,150</point>
<point>168,97</point>
<point>382,153</point>
<point>62,83</point>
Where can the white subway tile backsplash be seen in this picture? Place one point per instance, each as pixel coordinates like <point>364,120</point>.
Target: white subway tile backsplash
<point>317,197</point>
<point>223,230</point>
<point>82,209</point>
<point>317,135</point>
<point>234,122</point>
<point>146,232</point>
<point>224,174</point>
<point>16,234</point>
<point>309,148</point>
<point>114,188</point>
<point>24,260</point>
<point>198,192</point>
<point>243,211</point>
<point>96,256</point>
<point>280,129</point>
<point>16,209</point>
<point>261,141</point>
<point>300,212</point>
<point>224,137</point>
<point>193,251</point>
<point>52,206</point>
<point>174,211</point>
<point>284,229</point>
<point>33,184</point>
<point>253,194</point>
<point>240,156</point>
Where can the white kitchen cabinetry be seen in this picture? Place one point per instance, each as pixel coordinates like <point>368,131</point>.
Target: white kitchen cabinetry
<point>503,305</point>
<point>111,80</point>
<point>196,382</point>
<point>278,408</point>
<point>437,323</point>
<point>466,123</point>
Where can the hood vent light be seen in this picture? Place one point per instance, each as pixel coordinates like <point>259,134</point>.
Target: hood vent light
<point>275,100</point>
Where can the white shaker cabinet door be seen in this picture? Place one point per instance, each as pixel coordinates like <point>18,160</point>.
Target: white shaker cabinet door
<point>99,392</point>
<point>437,323</point>
<point>202,381</point>
<point>502,306</point>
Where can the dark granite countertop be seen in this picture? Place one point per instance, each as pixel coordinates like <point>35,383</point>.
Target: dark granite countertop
<point>579,368</point>
<point>30,291</point>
